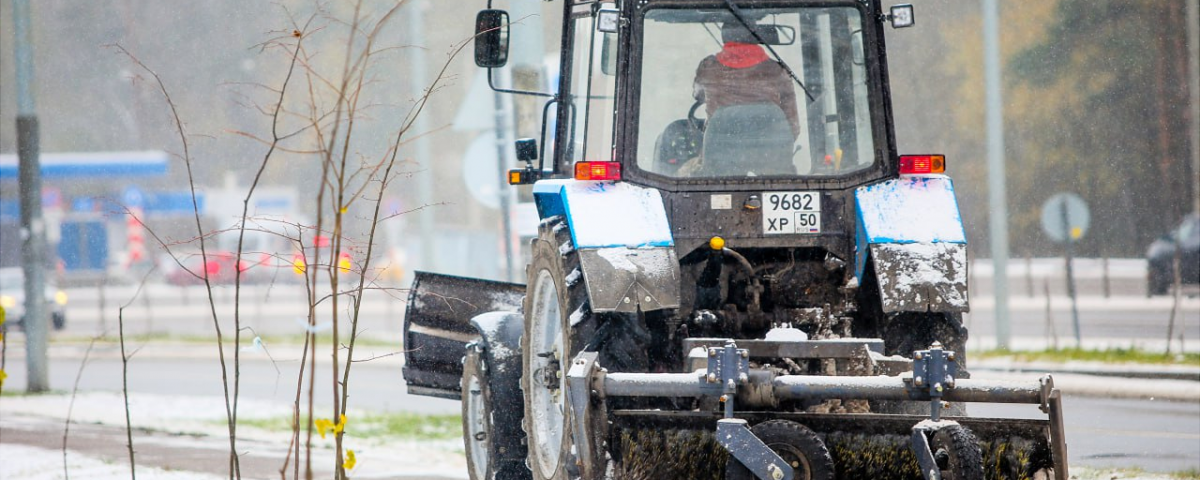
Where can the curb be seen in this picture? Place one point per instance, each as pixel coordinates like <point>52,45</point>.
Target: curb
<point>1184,373</point>
<point>1079,385</point>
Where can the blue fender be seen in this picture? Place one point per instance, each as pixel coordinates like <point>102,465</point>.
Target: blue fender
<point>626,250</point>
<point>910,227</point>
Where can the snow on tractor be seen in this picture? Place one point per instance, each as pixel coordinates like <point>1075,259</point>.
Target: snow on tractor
<point>735,275</point>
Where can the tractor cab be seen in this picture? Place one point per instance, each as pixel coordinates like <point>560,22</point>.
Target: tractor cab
<point>696,96</point>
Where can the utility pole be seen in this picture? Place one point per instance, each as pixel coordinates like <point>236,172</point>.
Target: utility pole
<point>997,195</point>
<point>425,176</point>
<point>1193,21</point>
<point>33,226</point>
<point>505,149</point>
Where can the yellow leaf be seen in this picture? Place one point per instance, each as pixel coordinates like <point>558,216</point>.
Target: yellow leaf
<point>2,377</point>
<point>344,209</point>
<point>350,460</point>
<point>323,425</point>
<point>341,425</point>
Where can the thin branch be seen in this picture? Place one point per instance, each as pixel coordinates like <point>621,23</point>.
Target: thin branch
<point>71,405</point>
<point>237,278</point>
<point>233,457</point>
<point>124,379</point>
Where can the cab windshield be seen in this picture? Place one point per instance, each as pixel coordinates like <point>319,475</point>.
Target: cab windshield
<point>718,100</point>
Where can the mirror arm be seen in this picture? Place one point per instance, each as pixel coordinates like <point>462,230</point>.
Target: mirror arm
<point>542,148</point>
<point>494,88</point>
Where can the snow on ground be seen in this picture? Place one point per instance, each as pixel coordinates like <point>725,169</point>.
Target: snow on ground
<point>179,414</point>
<point>202,419</point>
<point>31,463</point>
<point>1078,473</point>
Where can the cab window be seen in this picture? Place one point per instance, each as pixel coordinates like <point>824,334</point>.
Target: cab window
<point>779,92</point>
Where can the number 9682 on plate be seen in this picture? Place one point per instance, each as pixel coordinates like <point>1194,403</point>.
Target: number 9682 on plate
<point>791,212</point>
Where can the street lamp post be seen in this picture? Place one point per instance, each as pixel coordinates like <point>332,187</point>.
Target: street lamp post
<point>33,225</point>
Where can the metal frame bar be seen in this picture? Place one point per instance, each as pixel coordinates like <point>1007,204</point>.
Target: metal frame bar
<point>832,348</point>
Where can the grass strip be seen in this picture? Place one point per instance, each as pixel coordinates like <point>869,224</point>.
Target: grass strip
<point>1109,355</point>
<point>405,425</point>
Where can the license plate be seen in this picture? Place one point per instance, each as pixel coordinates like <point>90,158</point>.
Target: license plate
<point>791,212</point>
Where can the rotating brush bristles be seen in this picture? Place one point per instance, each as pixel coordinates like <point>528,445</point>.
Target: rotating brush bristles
<point>1014,458</point>
<point>653,454</point>
<point>878,457</point>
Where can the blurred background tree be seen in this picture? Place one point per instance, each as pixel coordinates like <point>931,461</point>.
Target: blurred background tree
<point>1095,100</point>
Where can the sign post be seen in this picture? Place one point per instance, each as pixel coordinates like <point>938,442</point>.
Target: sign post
<point>1065,218</point>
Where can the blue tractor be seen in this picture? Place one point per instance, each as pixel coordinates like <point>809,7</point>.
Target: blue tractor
<point>736,275</point>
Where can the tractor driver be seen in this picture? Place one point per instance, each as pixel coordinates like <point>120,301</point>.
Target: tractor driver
<point>742,73</point>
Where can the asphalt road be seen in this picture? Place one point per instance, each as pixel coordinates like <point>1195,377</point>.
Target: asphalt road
<point>1126,318</point>
<point>195,371</point>
<point>1153,435</point>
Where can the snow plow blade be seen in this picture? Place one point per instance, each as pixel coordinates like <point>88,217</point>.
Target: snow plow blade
<point>437,327</point>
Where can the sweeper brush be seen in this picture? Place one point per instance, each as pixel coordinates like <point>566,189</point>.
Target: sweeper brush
<point>649,453</point>
<point>710,444</point>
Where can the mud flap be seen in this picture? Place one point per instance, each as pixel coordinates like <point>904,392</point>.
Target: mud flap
<point>921,277</point>
<point>437,327</point>
<point>623,279</point>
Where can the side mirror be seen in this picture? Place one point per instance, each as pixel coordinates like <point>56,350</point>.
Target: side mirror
<point>491,38</point>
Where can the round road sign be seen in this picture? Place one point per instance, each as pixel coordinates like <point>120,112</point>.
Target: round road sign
<point>1064,216</point>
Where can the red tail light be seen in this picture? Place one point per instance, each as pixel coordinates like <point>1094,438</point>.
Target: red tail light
<point>918,164</point>
<point>597,171</point>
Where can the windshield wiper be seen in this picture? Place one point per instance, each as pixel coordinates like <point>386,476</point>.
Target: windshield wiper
<point>737,13</point>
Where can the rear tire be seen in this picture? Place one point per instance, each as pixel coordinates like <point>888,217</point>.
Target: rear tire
<point>796,444</point>
<point>549,344</point>
<point>908,332</point>
<point>957,453</point>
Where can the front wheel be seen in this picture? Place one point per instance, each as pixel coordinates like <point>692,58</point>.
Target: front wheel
<point>957,453</point>
<point>796,444</point>
<point>476,416</point>
<point>492,410</point>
